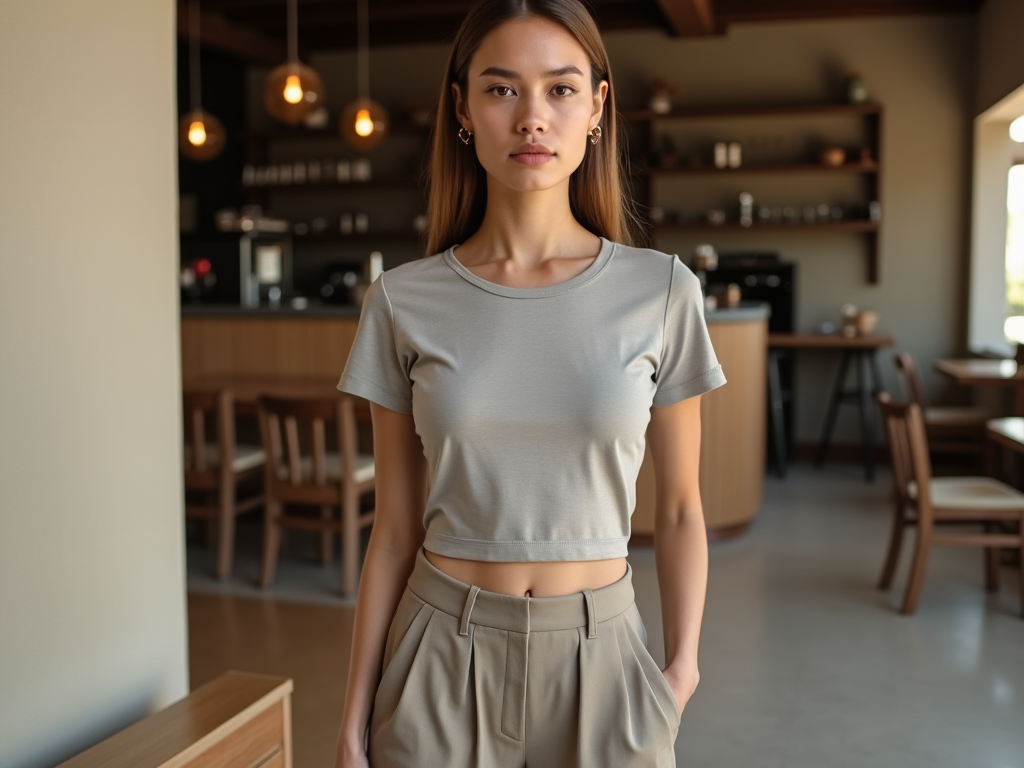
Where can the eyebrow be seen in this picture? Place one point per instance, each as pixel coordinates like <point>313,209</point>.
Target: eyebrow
<point>500,72</point>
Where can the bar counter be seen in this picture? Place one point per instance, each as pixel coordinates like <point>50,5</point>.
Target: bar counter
<point>314,342</point>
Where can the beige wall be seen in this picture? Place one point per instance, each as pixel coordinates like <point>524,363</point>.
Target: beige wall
<point>919,68</point>
<point>92,614</point>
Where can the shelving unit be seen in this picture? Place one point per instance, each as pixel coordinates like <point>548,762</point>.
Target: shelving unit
<point>646,172</point>
<point>259,147</point>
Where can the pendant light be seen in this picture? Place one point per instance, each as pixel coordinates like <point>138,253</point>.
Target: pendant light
<point>200,135</point>
<point>364,122</point>
<point>292,90</point>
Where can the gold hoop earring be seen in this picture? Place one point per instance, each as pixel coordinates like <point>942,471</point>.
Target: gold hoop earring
<point>594,134</point>
<point>468,137</point>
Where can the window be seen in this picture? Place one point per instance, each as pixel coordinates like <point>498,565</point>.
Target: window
<point>1013,328</point>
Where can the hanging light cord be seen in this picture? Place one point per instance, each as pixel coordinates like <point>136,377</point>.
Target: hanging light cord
<point>293,31</point>
<point>195,80</point>
<point>363,51</point>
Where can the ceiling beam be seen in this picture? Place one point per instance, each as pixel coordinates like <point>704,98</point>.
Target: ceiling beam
<point>689,18</point>
<point>216,32</point>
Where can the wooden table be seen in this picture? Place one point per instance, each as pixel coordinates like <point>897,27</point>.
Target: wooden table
<point>860,349</point>
<point>980,372</point>
<point>1008,432</point>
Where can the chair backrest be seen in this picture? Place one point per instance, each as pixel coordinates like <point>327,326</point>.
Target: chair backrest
<point>201,406</point>
<point>908,449</point>
<point>910,379</point>
<point>283,423</point>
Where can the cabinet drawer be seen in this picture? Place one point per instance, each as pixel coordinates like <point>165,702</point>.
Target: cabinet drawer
<point>250,745</point>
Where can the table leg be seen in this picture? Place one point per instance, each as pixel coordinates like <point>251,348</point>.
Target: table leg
<point>866,411</point>
<point>1018,401</point>
<point>833,409</point>
<point>775,402</point>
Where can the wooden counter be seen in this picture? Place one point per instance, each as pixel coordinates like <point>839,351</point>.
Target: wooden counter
<point>732,416</point>
<point>732,454</point>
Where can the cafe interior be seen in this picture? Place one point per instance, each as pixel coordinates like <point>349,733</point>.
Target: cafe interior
<point>208,189</point>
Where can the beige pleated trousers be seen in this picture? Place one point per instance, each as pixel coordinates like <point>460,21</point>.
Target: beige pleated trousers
<point>483,679</point>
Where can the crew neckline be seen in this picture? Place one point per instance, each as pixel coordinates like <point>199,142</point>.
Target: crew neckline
<point>542,291</point>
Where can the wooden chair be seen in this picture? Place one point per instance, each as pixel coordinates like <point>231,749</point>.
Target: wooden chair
<point>950,429</point>
<point>208,476</point>
<point>307,474</point>
<point>928,503</point>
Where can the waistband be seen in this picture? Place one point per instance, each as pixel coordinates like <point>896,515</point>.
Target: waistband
<point>586,608</point>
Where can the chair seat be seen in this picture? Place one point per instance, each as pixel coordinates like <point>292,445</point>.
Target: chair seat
<point>941,416</point>
<point>332,465</point>
<point>246,457</point>
<point>975,493</point>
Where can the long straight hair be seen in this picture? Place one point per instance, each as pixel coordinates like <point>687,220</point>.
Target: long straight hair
<point>457,183</point>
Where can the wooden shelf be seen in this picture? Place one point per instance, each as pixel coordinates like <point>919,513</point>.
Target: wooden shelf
<point>652,124</point>
<point>754,110</point>
<point>849,225</point>
<point>683,170</point>
<point>333,236</point>
<point>409,180</point>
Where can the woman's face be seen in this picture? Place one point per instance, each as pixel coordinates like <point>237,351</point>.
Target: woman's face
<point>529,84</point>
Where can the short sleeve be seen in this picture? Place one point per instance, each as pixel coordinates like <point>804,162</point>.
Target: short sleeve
<point>688,365</point>
<point>374,369</point>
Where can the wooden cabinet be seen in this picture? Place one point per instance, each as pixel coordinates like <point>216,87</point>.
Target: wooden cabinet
<point>732,436</point>
<point>781,166</point>
<point>239,720</point>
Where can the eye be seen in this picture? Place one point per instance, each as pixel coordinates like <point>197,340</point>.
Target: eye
<point>569,88</point>
<point>495,89</point>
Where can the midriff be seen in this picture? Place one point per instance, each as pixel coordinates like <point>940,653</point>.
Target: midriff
<point>532,579</point>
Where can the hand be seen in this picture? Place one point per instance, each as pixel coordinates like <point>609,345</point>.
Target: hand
<point>682,678</point>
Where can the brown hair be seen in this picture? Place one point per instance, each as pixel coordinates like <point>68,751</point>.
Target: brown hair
<point>457,183</point>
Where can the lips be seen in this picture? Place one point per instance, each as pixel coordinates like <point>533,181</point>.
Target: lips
<point>531,149</point>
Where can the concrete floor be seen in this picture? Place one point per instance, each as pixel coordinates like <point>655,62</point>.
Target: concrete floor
<point>803,662</point>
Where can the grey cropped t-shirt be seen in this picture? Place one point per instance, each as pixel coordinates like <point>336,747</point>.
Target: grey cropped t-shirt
<point>532,403</point>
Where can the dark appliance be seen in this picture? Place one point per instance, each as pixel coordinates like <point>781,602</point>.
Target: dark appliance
<point>246,269</point>
<point>763,276</point>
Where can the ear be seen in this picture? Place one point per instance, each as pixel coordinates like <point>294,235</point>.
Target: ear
<point>461,108</point>
<point>600,94</point>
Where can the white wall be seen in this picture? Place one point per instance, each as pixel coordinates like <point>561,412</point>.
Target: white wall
<point>92,609</point>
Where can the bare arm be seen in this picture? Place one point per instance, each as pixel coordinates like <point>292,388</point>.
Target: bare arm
<point>396,535</point>
<point>680,538</point>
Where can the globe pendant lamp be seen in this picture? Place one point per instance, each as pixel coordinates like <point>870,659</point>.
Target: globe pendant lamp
<point>292,90</point>
<point>364,122</point>
<point>200,135</point>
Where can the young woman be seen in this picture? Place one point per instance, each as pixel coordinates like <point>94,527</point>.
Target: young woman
<point>513,375</point>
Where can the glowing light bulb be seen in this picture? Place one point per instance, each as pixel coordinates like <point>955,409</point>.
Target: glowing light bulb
<point>293,90</point>
<point>197,133</point>
<point>1017,130</point>
<point>364,123</point>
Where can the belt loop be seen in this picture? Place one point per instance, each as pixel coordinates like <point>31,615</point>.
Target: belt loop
<point>591,614</point>
<point>468,609</point>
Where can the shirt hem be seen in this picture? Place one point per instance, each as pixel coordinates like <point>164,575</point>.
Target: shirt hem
<point>697,386</point>
<point>359,386</point>
<point>526,551</point>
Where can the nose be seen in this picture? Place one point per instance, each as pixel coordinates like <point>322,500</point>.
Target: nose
<point>532,117</point>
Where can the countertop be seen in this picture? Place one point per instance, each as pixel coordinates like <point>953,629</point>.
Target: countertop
<point>235,312</point>
<point>745,312</point>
